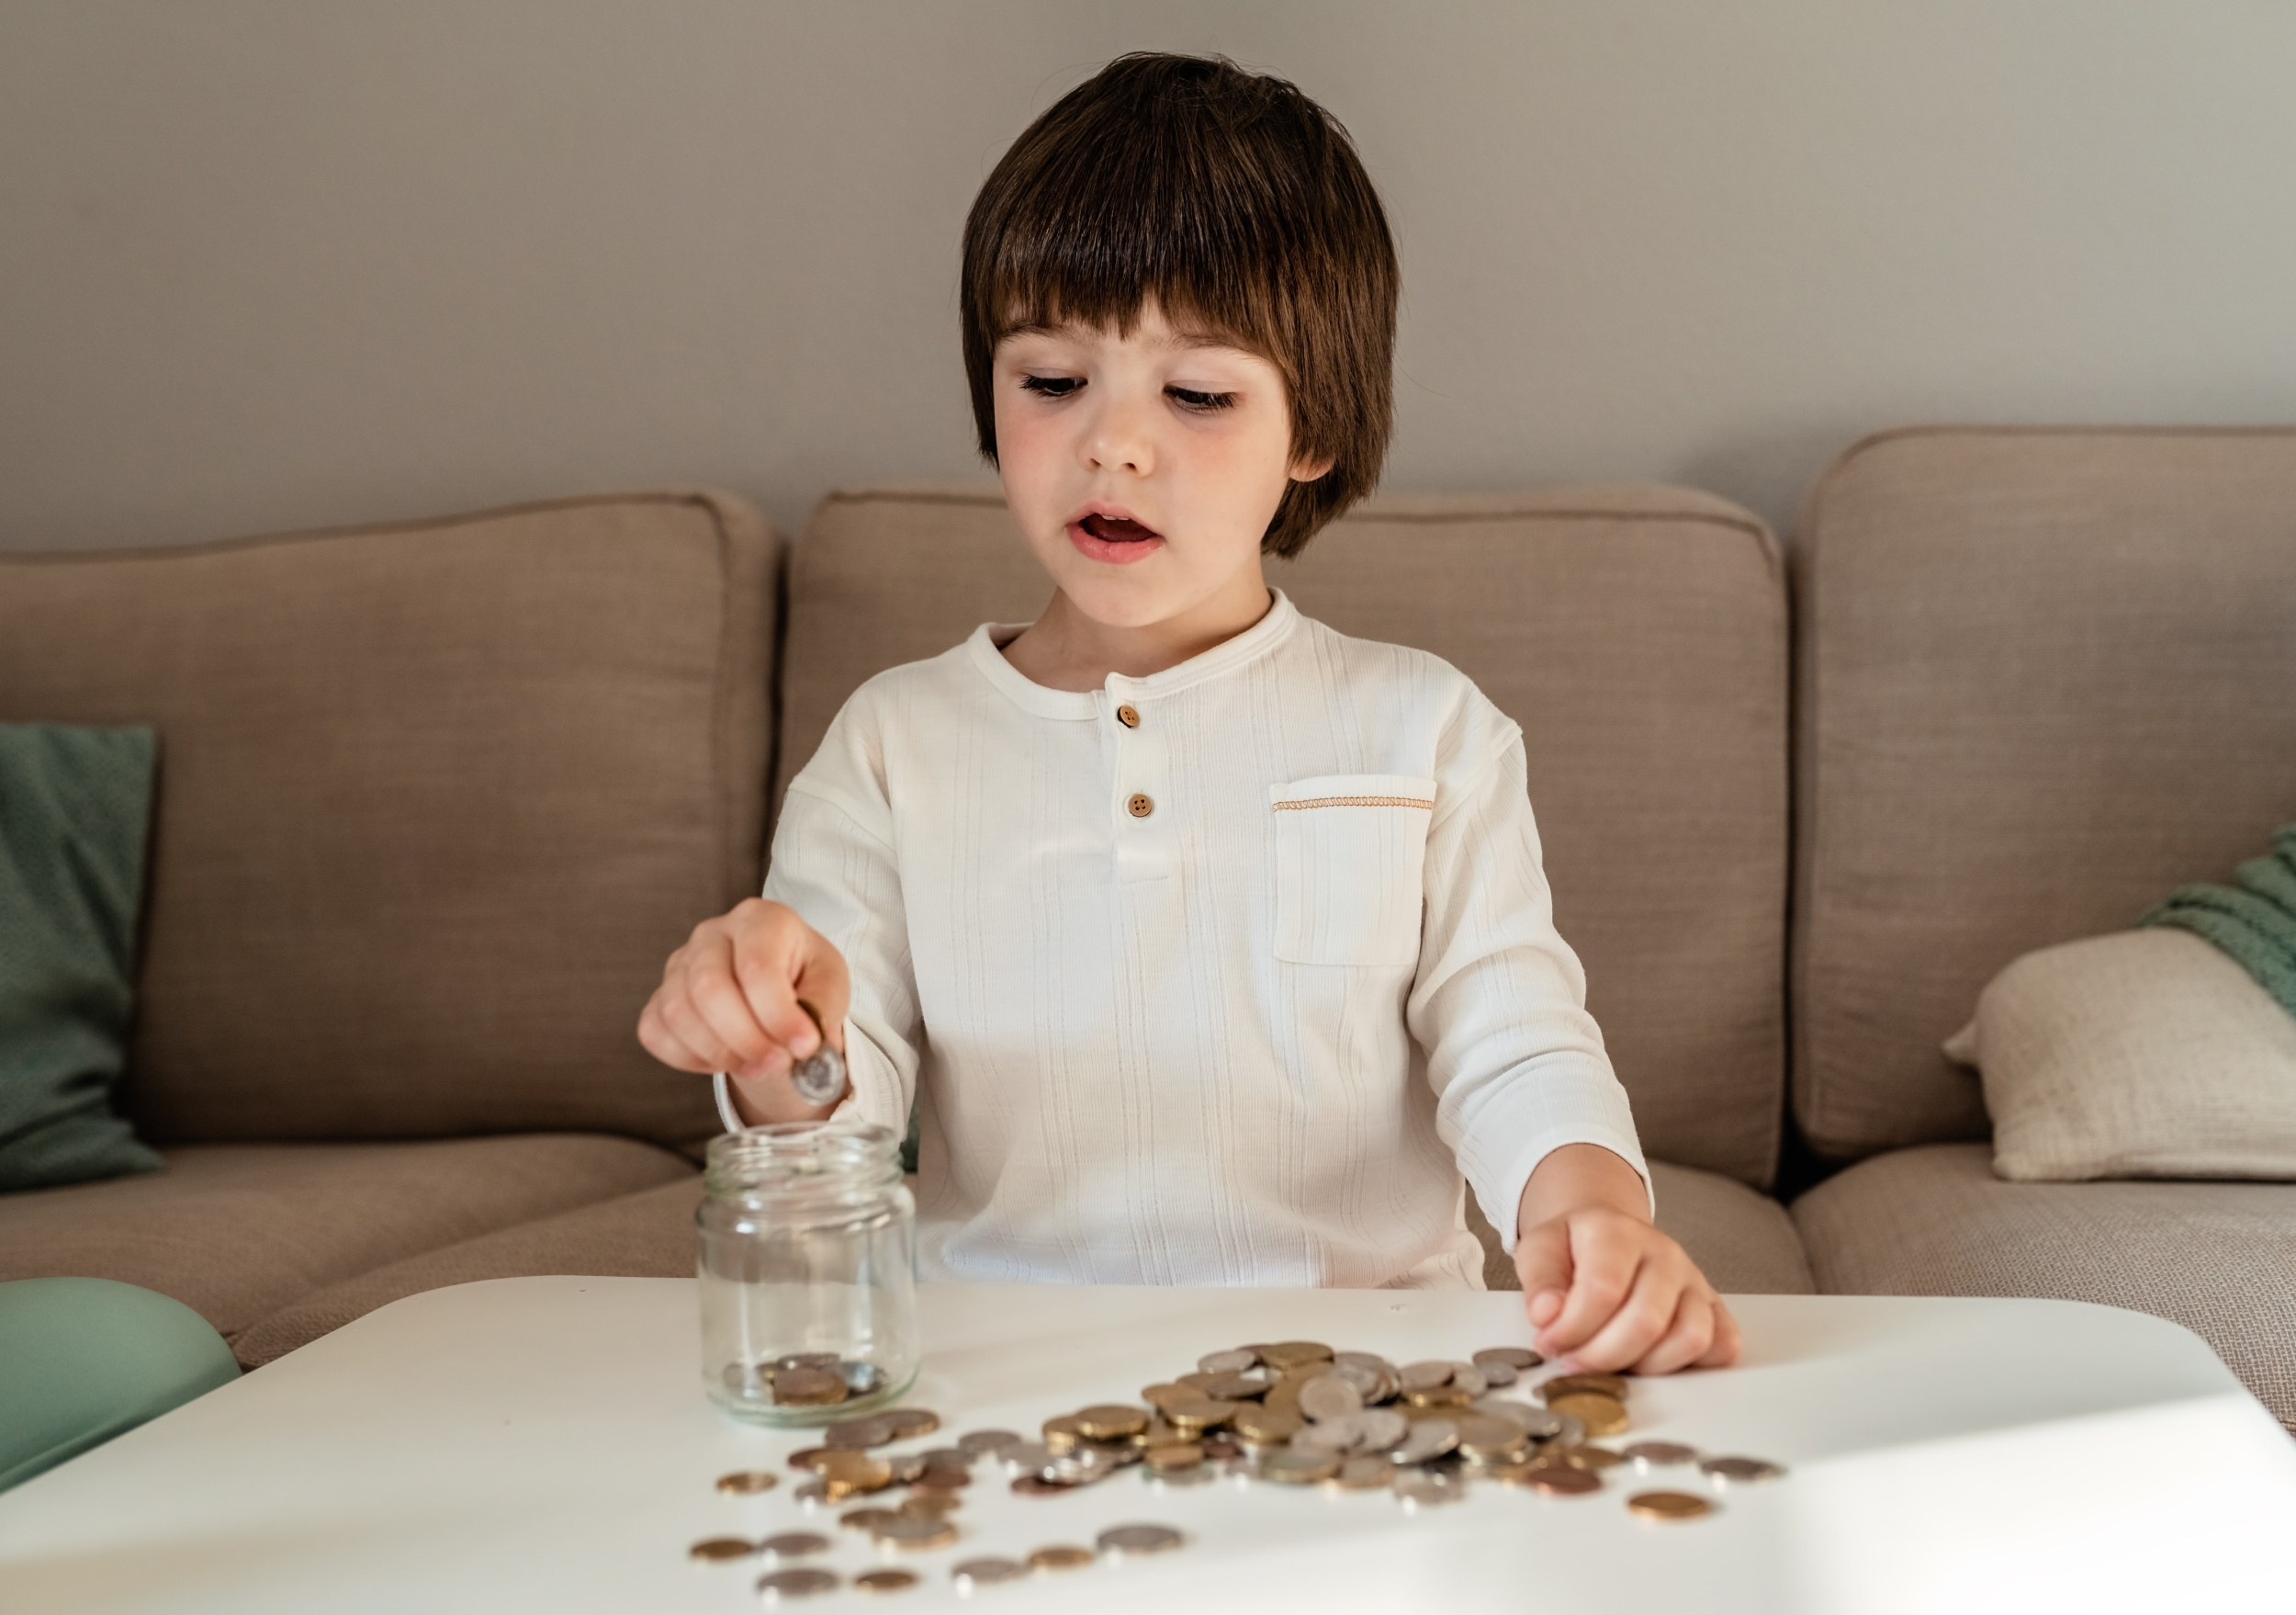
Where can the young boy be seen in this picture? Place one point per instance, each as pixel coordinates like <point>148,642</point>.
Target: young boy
<point>1212,945</point>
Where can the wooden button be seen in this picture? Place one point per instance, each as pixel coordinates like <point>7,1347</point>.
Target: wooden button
<point>1129,717</point>
<point>1140,806</point>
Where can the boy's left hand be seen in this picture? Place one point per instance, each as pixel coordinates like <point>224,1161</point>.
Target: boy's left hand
<point>1605,1291</point>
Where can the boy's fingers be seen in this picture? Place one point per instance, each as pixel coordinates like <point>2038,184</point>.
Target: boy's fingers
<point>777,967</point>
<point>720,1002</point>
<point>1639,1322</point>
<point>1542,1261</point>
<point>1727,1341</point>
<point>665,1045</point>
<point>1687,1341</point>
<point>1605,1255</point>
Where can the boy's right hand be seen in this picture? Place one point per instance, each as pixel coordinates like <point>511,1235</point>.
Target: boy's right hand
<point>728,1001</point>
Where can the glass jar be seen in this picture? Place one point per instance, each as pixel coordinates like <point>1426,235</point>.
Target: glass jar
<point>808,1270</point>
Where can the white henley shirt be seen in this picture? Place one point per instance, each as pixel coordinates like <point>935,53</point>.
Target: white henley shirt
<point>1222,976</point>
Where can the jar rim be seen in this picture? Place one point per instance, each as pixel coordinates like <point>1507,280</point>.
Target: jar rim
<point>790,1152</point>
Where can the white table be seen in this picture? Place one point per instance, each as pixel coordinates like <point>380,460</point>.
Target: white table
<point>543,1444</point>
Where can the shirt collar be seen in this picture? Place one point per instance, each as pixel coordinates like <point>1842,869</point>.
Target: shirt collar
<point>1226,656</point>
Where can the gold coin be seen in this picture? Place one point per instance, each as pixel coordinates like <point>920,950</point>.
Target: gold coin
<point>844,1472</point>
<point>1511,1474</point>
<point>1438,1397</point>
<point>1266,1427</point>
<point>1200,1415</point>
<point>1062,1432</point>
<point>1483,1436</point>
<point>1669,1506</point>
<point>1199,1382</point>
<point>1177,1455</point>
<point>747,1482</point>
<point>1560,1480</point>
<point>1236,1388</point>
<point>1283,1396</point>
<point>809,1458</point>
<point>885,1581</point>
<point>1603,1416</point>
<point>721,1550</point>
<point>1109,1421</point>
<point>908,1423</point>
<point>865,1518</point>
<point>1518,1358</point>
<point>1164,1393</point>
<point>940,1505</point>
<point>1294,1353</point>
<point>1060,1558</point>
<point>1611,1385</point>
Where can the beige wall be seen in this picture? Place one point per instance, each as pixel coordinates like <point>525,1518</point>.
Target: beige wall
<point>269,265</point>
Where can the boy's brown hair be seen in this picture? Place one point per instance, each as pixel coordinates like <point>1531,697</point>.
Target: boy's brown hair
<point>1242,207</point>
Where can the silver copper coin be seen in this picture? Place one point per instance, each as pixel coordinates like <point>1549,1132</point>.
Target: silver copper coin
<point>1138,1538</point>
<point>794,1544</point>
<point>1228,1363</point>
<point>915,1531</point>
<point>859,1433</point>
<point>796,1584</point>
<point>1328,1397</point>
<point>1338,1435</point>
<point>862,1378</point>
<point>884,1581</point>
<point>820,1077</point>
<point>744,1483</point>
<point>1430,1438</point>
<point>1381,1429</point>
<point>1467,1377</point>
<point>940,1505</point>
<point>1423,1376</point>
<point>1518,1358</point>
<point>908,1423</point>
<point>1037,1485</point>
<point>1742,1470</point>
<point>866,1519</point>
<point>809,1387</point>
<point>1496,1374</point>
<point>1293,1466</point>
<point>991,1572</point>
<point>808,1360</point>
<point>1028,1457</point>
<point>1363,1472</point>
<point>1419,1488</point>
<point>986,1443</point>
<point>721,1550</point>
<point>1534,1421</point>
<point>1659,1453</point>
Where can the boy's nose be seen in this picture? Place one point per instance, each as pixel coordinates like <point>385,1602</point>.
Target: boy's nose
<point>1118,442</point>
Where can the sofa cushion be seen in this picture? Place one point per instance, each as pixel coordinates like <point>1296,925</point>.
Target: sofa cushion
<point>236,1232</point>
<point>2044,680</point>
<point>646,1235</point>
<point>1638,635</point>
<point>435,801</point>
<point>2142,1054</point>
<point>2218,1257</point>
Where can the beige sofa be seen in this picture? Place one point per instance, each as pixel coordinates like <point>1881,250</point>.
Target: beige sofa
<point>436,800</point>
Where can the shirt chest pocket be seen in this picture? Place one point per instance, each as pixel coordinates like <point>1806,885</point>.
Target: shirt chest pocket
<point>1350,856</point>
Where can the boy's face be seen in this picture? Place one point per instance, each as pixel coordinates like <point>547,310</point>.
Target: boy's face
<point>1143,469</point>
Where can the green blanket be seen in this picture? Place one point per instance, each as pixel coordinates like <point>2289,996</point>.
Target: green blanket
<point>2254,922</point>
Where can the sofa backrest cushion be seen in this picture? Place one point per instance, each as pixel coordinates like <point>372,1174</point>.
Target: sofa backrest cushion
<point>2044,676</point>
<point>435,801</point>
<point>1639,636</point>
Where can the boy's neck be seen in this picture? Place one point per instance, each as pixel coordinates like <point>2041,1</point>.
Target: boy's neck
<point>1065,649</point>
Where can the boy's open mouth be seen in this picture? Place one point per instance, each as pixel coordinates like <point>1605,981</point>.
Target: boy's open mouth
<point>1115,540</point>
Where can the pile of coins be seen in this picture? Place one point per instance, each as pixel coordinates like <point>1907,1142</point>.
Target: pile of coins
<point>1297,1412</point>
<point>804,1379</point>
<point>1293,1413</point>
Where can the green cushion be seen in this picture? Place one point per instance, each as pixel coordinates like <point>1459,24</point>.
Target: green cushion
<point>88,1358</point>
<point>74,805</point>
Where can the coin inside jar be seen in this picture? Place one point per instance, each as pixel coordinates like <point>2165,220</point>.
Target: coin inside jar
<point>1138,1538</point>
<point>796,1584</point>
<point>1669,1506</point>
<point>744,1483</point>
<point>1061,1556</point>
<point>809,1387</point>
<point>721,1550</point>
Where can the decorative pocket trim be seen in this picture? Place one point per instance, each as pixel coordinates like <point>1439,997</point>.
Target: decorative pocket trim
<point>1293,806</point>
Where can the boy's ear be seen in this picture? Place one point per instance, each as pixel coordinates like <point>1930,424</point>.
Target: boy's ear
<point>1308,471</point>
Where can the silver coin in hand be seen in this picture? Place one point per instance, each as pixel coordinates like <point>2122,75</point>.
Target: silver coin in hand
<point>819,1079</point>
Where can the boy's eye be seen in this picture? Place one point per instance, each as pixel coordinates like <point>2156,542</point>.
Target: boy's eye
<point>1190,399</point>
<point>1050,386</point>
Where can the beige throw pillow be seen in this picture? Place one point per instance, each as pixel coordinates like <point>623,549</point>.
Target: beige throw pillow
<point>2145,1054</point>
